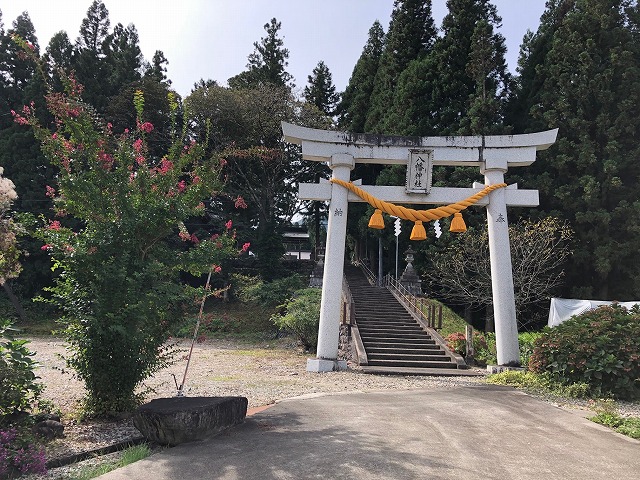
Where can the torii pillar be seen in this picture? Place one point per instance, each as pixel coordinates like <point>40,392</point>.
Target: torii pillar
<point>493,155</point>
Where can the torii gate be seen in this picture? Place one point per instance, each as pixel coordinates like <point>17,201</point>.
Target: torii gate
<point>492,154</point>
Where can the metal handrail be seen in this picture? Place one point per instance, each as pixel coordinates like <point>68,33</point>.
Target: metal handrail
<point>433,316</point>
<point>372,277</point>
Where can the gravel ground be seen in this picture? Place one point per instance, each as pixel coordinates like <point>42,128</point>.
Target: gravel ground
<point>263,373</point>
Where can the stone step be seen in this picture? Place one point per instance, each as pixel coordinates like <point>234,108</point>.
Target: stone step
<point>368,326</point>
<point>382,318</point>
<point>411,363</point>
<point>427,344</point>
<point>434,372</point>
<point>424,350</point>
<point>393,335</point>
<point>406,356</point>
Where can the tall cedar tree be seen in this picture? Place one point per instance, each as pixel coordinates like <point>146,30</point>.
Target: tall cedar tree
<point>589,88</point>
<point>268,62</point>
<point>411,34</point>
<point>355,102</point>
<point>528,84</point>
<point>320,90</point>
<point>89,62</point>
<point>19,151</point>
<point>447,82</point>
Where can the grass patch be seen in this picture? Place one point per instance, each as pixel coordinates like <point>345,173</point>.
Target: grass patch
<point>130,455</point>
<point>451,321</point>
<point>607,415</point>
<point>539,383</point>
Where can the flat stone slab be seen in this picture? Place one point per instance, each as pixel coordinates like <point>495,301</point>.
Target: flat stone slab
<point>171,421</point>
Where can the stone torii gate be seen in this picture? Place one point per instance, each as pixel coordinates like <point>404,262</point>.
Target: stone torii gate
<point>493,155</point>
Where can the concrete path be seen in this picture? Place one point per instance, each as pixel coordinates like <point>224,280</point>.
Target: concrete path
<point>477,432</point>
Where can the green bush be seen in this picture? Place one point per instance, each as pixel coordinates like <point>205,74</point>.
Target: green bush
<point>527,340</point>
<point>302,316</point>
<point>600,347</point>
<point>18,387</point>
<point>539,383</point>
<point>607,414</point>
<point>255,290</point>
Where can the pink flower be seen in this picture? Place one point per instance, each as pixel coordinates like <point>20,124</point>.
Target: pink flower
<point>194,239</point>
<point>165,166</point>
<point>109,127</point>
<point>46,246</point>
<point>140,160</point>
<point>200,206</point>
<point>137,145</point>
<point>196,179</point>
<point>106,159</point>
<point>216,268</point>
<point>215,236</point>
<point>223,162</point>
<point>240,203</point>
<point>246,246</point>
<point>50,191</point>
<point>184,236</point>
<point>182,185</point>
<point>19,119</point>
<point>146,127</point>
<point>228,225</point>
<point>54,136</point>
<point>55,225</point>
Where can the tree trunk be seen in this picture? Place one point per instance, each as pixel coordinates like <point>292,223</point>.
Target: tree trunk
<point>15,302</point>
<point>489,323</point>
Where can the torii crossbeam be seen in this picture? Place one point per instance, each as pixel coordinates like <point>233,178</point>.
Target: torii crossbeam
<point>493,155</point>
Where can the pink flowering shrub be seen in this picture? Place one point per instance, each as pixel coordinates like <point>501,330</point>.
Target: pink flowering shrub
<point>119,272</point>
<point>18,456</point>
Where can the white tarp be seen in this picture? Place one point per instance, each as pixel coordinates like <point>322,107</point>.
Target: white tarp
<point>562,309</point>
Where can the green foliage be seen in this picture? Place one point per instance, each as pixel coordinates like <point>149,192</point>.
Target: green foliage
<point>354,103</point>
<point>484,345</point>
<point>539,383</point>
<point>411,35</point>
<point>302,316</point>
<point>320,90</point>
<point>607,414</point>
<point>255,290</point>
<point>19,389</point>
<point>527,340</point>
<point>128,456</point>
<point>117,256</point>
<point>267,63</point>
<point>600,348</point>
<point>580,74</point>
<point>458,342</point>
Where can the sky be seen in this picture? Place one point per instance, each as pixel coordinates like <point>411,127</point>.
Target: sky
<point>211,39</point>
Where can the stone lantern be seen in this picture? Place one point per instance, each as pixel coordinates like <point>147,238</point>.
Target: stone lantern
<point>409,278</point>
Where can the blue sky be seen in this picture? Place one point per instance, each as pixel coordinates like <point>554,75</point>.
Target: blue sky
<point>211,39</point>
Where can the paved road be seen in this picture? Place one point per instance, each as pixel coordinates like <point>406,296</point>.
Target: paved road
<point>476,432</point>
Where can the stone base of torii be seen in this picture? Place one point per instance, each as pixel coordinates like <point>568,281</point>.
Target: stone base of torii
<point>493,155</point>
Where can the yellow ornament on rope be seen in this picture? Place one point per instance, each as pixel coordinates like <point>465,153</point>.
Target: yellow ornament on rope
<point>418,216</point>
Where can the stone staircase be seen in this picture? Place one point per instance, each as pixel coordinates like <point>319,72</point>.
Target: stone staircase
<point>392,339</point>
